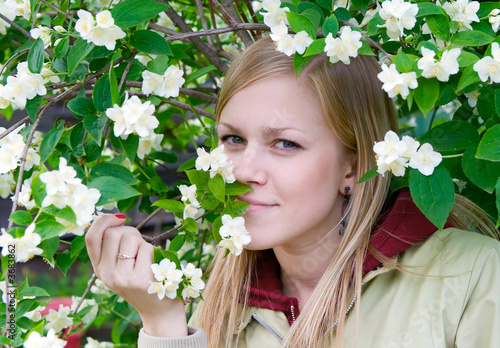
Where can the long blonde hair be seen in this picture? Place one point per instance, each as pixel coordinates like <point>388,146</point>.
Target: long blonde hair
<point>359,113</point>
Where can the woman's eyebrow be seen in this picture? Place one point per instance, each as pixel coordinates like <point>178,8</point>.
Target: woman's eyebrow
<point>232,128</point>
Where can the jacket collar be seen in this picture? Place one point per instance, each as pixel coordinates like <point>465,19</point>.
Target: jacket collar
<point>401,227</point>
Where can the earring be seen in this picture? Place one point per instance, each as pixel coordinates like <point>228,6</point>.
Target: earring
<point>345,202</point>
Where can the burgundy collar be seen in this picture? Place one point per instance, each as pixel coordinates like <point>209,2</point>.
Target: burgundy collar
<point>403,226</point>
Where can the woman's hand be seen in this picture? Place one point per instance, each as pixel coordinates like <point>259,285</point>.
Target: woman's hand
<point>129,277</point>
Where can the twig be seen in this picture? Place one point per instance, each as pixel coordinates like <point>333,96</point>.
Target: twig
<point>214,24</point>
<point>250,10</point>
<point>56,9</point>
<point>189,35</point>
<point>127,69</point>
<point>17,27</point>
<point>11,128</point>
<point>203,19</point>
<point>185,91</point>
<point>200,45</point>
<point>231,16</point>
<point>14,56</point>
<point>376,45</point>
<point>150,216</point>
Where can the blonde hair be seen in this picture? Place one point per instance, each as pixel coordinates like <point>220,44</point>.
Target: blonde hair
<point>359,113</point>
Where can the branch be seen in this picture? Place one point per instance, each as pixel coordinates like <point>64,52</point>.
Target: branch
<point>376,45</point>
<point>17,27</point>
<point>232,18</point>
<point>55,8</point>
<point>202,46</point>
<point>13,127</point>
<point>127,69</point>
<point>186,91</point>
<point>214,24</point>
<point>203,20</point>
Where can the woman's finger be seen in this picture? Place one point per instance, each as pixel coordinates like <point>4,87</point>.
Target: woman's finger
<point>94,236</point>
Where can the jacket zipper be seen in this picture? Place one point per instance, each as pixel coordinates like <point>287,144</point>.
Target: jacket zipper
<point>267,327</point>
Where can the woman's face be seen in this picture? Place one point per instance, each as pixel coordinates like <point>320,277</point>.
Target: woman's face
<point>276,135</point>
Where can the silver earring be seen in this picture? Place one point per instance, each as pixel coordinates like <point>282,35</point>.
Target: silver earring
<point>345,202</point>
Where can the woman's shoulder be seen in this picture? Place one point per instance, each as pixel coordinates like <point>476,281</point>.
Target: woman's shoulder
<point>453,248</point>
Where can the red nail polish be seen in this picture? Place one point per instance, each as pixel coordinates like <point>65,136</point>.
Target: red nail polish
<point>120,216</point>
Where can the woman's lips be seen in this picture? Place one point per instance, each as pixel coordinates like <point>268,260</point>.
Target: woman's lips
<point>254,208</point>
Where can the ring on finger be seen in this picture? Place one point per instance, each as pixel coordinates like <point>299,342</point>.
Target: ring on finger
<point>121,256</point>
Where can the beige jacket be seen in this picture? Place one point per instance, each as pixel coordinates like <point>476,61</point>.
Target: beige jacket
<point>448,297</point>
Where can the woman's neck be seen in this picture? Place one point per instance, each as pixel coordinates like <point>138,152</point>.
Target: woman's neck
<point>303,266</point>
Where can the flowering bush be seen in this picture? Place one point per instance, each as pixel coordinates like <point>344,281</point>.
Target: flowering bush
<point>140,79</point>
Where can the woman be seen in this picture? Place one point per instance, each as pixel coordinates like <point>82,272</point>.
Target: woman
<point>360,268</point>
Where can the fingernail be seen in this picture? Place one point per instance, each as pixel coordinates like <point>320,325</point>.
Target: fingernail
<point>120,216</point>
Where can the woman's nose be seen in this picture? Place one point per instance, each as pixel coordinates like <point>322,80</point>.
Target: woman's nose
<point>249,167</point>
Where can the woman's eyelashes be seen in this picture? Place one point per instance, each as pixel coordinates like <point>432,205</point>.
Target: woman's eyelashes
<point>286,145</point>
<point>231,139</point>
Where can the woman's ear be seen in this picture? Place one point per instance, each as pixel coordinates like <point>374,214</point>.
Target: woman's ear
<point>350,176</point>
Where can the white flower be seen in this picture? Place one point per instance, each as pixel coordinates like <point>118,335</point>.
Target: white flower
<point>399,15</point>
<point>426,159</point>
<point>286,44</point>
<point>472,98</point>
<point>165,21</point>
<point>396,83</point>
<point>100,289</point>
<point>19,8</point>
<point>4,101</point>
<point>411,146</point>
<point>92,343</point>
<point>166,270</point>
<point>391,148</point>
<point>43,32</point>
<point>234,234</point>
<point>6,185</point>
<point>133,117</point>
<point>448,65</point>
<point>32,158</point>
<point>157,288</point>
<point>494,19</point>
<point>192,211</point>
<point>189,194</point>
<point>16,91</point>
<point>488,67</point>
<point>35,315</point>
<point>203,161</point>
<point>302,41</point>
<point>101,31</point>
<point>146,144</point>
<point>345,46</point>
<point>463,12</point>
<point>172,82</point>
<point>59,320</point>
<point>396,167</point>
<point>274,18</point>
<point>271,5</point>
<point>216,162</point>
<point>256,6</point>
<point>35,340</point>
<point>91,315</point>
<point>25,247</point>
<point>28,78</point>
<point>151,82</point>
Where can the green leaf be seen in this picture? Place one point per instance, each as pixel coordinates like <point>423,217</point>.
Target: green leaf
<point>427,8</point>
<point>217,186</point>
<point>403,62</point>
<point>216,225</point>
<point>113,83</point>
<point>315,15</point>
<point>130,146</point>
<point>77,53</point>
<point>112,189</point>
<point>300,22</point>
<point>167,156</point>
<point>439,26</point>
<point>177,243</point>
<point>102,93</point>
<point>64,261</point>
<point>471,38</point>
<point>130,13</point>
<point>237,188</point>
<point>331,25</point>
<point>316,47</point>
<point>365,49</point>
<point>160,254</point>
<point>466,58</point>
<point>451,136</point>
<point>482,173</point>
<point>77,245</point>
<point>49,228</point>
<point>300,62</point>
<point>200,73</point>
<point>198,178</point>
<point>170,205</point>
<point>434,195</point>
<point>497,190</point>
<point>62,48</point>
<point>32,106</point>
<point>374,25</point>
<point>469,77</point>
<point>361,5</point>
<point>24,306</point>
<point>49,142</point>
<point>114,170</point>
<point>190,225</point>
<point>426,94</point>
<point>489,147</point>
<point>368,175</point>
<point>81,106</point>
<point>34,291</point>
<point>49,247</point>
<point>38,190</point>
<point>150,42</point>
<point>65,213</point>
<point>189,164</point>
<point>158,65</point>
<point>35,56</point>
<point>95,126</point>
<point>21,218</point>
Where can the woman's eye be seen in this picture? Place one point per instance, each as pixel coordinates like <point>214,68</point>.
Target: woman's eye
<point>232,139</point>
<point>287,144</point>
